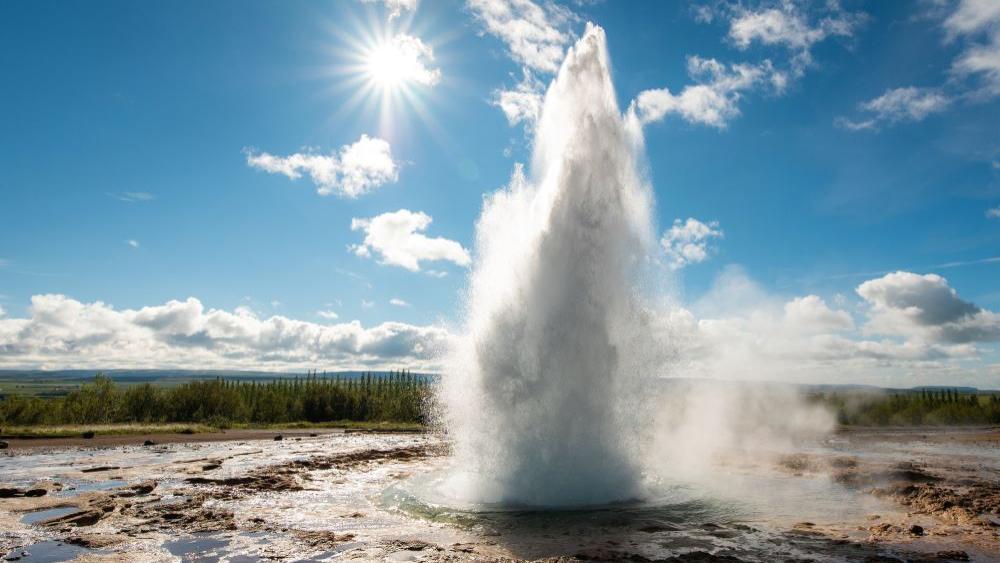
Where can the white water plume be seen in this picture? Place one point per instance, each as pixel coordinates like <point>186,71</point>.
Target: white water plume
<point>541,397</point>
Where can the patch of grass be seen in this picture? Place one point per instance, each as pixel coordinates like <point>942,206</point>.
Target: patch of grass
<point>77,430</point>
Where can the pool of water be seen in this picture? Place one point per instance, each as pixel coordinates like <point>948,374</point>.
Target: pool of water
<point>42,515</point>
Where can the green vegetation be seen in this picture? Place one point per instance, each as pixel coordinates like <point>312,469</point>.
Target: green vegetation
<point>396,398</point>
<point>926,407</point>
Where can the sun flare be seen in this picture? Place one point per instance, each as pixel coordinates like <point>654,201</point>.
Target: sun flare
<point>401,60</point>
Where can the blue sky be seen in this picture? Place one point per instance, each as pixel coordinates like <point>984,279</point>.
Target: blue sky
<point>867,142</point>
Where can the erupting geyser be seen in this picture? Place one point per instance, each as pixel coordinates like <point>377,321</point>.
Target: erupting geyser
<point>540,396</point>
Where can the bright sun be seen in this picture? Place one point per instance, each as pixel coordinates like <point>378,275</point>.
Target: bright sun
<point>401,60</point>
<point>388,71</point>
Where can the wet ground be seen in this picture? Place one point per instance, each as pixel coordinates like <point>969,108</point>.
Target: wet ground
<point>861,495</point>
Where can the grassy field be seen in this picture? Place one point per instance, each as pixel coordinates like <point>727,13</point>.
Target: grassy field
<point>374,401</point>
<point>78,430</point>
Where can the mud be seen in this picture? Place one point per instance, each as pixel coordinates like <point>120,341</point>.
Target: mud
<point>322,498</point>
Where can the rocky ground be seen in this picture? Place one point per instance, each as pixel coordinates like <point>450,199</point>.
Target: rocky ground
<point>318,498</point>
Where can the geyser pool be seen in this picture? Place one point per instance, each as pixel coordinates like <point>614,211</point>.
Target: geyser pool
<point>540,397</point>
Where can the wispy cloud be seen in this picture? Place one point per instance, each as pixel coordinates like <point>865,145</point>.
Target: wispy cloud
<point>897,105</point>
<point>398,302</point>
<point>991,213</point>
<point>395,8</point>
<point>536,35</point>
<point>943,265</point>
<point>133,243</point>
<point>974,74</point>
<point>718,88</point>
<point>131,197</point>
<point>329,315</point>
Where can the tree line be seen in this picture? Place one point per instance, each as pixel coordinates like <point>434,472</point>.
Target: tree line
<point>396,396</point>
<point>926,407</point>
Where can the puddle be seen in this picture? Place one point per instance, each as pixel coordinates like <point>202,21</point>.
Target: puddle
<point>199,547</point>
<point>40,515</point>
<point>45,552</point>
<point>73,488</point>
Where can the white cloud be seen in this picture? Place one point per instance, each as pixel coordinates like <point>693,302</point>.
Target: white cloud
<point>689,242</point>
<point>975,71</point>
<point>398,302</point>
<point>407,59</point>
<point>523,104</point>
<point>534,32</point>
<point>2,311</point>
<point>133,243</point>
<point>972,16</point>
<point>713,99</point>
<point>896,105</point>
<point>993,213</point>
<point>788,25</point>
<point>62,332</point>
<point>131,197</point>
<point>397,238</point>
<point>924,307</point>
<point>813,315</point>
<point>367,304</point>
<point>396,7</point>
<point>355,170</point>
<point>275,303</point>
<point>915,330</point>
<point>536,35</point>
<point>329,315</point>
<point>978,23</point>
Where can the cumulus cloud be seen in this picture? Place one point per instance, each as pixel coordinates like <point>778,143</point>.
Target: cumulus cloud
<point>689,242</point>
<point>355,170</point>
<point>813,315</point>
<point>62,332</point>
<point>398,302</point>
<point>714,97</point>
<point>395,8</point>
<point>896,105</point>
<point>926,308</point>
<point>914,327</point>
<point>398,239</point>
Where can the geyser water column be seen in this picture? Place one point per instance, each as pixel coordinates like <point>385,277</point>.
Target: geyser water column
<point>539,396</point>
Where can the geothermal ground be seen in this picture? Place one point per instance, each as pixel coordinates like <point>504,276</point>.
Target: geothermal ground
<point>858,495</point>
